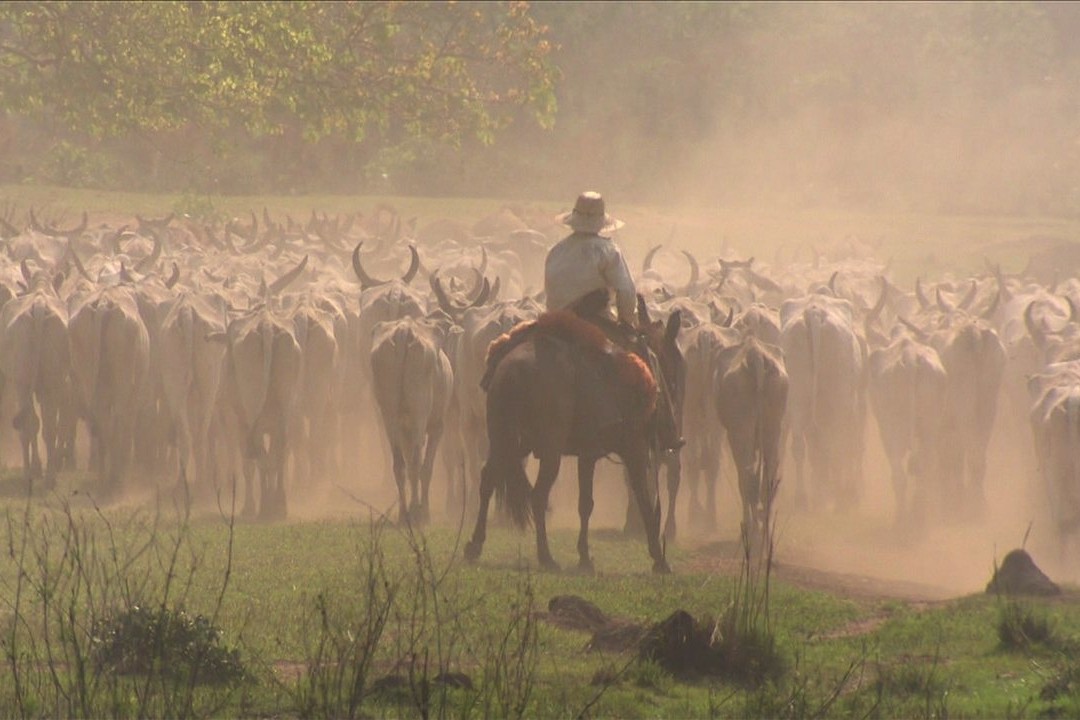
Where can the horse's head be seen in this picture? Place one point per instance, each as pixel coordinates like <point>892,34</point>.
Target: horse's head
<point>662,339</point>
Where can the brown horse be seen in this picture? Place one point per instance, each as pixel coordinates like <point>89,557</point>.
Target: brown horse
<point>545,397</point>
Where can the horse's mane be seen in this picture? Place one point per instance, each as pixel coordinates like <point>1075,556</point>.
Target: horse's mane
<point>631,371</point>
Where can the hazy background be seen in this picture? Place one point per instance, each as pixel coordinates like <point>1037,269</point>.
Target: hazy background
<point>966,108</point>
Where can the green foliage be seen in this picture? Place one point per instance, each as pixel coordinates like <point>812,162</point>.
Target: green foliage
<point>141,641</point>
<point>430,69</point>
<point>1021,626</point>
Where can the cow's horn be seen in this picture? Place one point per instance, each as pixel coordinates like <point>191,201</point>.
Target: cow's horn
<point>25,270</point>
<point>75,258</point>
<point>646,265</point>
<point>832,282</point>
<point>440,295</point>
<point>988,313</point>
<point>495,287</point>
<point>282,282</point>
<point>1036,332</point>
<point>174,277</point>
<point>942,305</point>
<point>695,272</point>
<point>1073,315</point>
<point>966,302</point>
<point>923,302</point>
<point>147,262</point>
<point>483,260</point>
<point>366,281</point>
<point>730,317</point>
<point>414,266</point>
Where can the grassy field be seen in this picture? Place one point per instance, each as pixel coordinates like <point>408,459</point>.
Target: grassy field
<point>297,599</point>
<point>337,618</point>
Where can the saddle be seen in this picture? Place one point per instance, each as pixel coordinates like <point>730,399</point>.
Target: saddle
<point>595,342</point>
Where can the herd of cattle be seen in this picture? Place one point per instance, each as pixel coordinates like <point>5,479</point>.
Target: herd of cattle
<point>263,349</point>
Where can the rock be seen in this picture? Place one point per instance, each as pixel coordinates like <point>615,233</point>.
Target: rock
<point>1018,575</point>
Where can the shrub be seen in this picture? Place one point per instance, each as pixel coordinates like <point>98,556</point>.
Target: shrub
<point>142,641</point>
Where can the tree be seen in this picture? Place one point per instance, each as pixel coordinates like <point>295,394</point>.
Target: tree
<point>441,71</point>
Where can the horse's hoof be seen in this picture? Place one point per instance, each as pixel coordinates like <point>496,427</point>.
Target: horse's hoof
<point>550,565</point>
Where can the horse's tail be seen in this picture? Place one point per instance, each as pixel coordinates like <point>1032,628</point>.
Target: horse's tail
<point>506,462</point>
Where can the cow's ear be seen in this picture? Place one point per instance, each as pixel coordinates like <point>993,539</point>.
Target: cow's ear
<point>674,323</point>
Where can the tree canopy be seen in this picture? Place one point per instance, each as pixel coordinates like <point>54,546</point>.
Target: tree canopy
<point>439,70</point>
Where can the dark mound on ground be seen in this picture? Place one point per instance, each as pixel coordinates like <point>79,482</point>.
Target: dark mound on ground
<point>1019,575</point>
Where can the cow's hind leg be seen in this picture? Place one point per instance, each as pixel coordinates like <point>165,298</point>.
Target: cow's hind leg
<point>545,479</point>
<point>26,422</point>
<point>426,470</point>
<point>487,489</point>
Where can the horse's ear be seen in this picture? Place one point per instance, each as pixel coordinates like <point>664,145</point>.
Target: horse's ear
<point>642,311</point>
<point>674,324</point>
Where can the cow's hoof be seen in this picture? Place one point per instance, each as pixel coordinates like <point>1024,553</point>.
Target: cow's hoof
<point>472,551</point>
<point>660,567</point>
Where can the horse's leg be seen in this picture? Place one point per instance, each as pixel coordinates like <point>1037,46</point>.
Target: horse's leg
<point>636,460</point>
<point>545,479</point>
<point>674,476</point>
<point>586,470</point>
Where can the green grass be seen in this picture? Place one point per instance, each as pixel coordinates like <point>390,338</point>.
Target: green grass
<point>916,662</point>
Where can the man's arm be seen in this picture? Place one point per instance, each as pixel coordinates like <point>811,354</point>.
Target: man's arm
<point>618,277</point>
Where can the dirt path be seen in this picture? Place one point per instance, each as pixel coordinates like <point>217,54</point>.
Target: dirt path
<point>724,557</point>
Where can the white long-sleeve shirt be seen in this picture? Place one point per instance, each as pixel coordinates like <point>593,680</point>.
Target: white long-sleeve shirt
<point>583,263</point>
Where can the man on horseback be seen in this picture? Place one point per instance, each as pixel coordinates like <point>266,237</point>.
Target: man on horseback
<point>581,273</point>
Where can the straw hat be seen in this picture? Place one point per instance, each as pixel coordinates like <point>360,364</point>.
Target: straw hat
<point>588,215</point>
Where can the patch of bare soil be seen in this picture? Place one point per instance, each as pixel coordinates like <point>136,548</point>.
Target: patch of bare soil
<point>725,557</point>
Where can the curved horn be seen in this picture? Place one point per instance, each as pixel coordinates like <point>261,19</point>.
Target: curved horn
<point>942,305</point>
<point>988,313</point>
<point>440,295</point>
<point>832,282</point>
<point>646,264</point>
<point>174,277</point>
<point>366,281</point>
<point>483,259</point>
<point>75,258</point>
<point>1038,336</point>
<point>923,302</point>
<point>25,271</point>
<point>152,258</point>
<point>282,282</point>
<point>730,317</point>
<point>414,266</point>
<point>1073,315</point>
<point>970,297</point>
<point>875,311</point>
<point>879,305</point>
<point>495,287</point>
<point>484,294</point>
<point>695,272</point>
<point>113,241</point>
